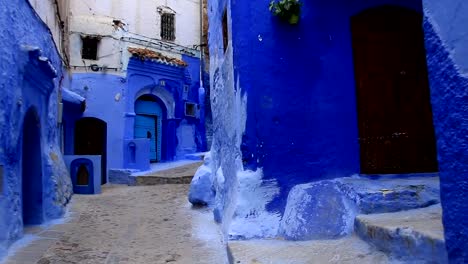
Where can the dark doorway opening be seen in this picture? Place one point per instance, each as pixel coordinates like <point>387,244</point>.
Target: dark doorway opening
<point>32,170</point>
<point>396,132</point>
<point>91,139</point>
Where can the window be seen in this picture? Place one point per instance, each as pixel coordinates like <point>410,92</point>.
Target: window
<point>190,109</point>
<point>167,27</point>
<point>89,49</point>
<point>186,88</point>
<point>225,31</point>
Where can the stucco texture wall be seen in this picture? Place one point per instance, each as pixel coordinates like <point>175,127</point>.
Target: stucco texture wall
<point>143,18</point>
<point>301,114</point>
<point>447,46</point>
<point>27,83</point>
<point>298,122</point>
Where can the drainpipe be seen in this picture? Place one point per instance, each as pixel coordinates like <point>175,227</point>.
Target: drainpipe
<point>201,90</point>
<point>201,43</point>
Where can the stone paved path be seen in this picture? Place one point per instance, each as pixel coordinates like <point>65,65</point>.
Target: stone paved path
<point>144,224</point>
<point>180,175</point>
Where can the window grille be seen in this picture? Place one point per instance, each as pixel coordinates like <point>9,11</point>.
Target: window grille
<point>167,27</point>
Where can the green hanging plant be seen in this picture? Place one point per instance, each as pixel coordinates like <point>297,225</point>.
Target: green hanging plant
<point>288,10</point>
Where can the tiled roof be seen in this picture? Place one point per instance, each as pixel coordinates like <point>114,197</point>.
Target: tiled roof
<point>153,55</point>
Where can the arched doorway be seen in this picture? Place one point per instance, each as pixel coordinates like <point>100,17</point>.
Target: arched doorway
<point>396,133</point>
<point>91,139</point>
<point>32,169</point>
<point>148,124</point>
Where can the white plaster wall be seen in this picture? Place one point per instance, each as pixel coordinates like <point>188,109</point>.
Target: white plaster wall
<point>90,17</point>
<point>47,11</point>
<point>142,16</point>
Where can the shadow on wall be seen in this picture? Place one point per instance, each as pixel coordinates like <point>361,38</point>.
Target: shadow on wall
<point>32,198</point>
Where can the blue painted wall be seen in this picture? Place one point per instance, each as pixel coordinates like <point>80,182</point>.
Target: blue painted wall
<point>301,113</point>
<point>111,98</point>
<point>104,95</point>
<point>28,83</point>
<point>447,49</point>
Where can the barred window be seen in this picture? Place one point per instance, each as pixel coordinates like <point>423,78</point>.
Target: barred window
<point>167,27</point>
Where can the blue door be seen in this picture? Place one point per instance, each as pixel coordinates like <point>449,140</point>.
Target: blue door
<point>145,127</point>
<point>148,124</point>
<point>82,176</point>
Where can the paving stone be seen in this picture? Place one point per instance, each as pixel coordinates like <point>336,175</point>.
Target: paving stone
<point>131,225</point>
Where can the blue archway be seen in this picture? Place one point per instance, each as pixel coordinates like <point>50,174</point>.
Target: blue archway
<point>32,169</point>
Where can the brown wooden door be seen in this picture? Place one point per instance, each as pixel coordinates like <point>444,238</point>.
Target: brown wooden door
<point>396,133</point>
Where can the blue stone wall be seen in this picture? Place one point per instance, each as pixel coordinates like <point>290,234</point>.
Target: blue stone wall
<point>111,98</point>
<point>447,47</point>
<point>299,80</point>
<point>28,82</point>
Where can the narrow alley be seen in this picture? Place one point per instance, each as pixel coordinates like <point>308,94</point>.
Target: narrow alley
<point>233,132</point>
<point>140,224</point>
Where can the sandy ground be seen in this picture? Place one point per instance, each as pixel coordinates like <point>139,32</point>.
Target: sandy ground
<point>348,250</point>
<point>147,224</point>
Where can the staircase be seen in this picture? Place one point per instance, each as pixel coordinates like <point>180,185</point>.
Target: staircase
<point>178,175</point>
<point>398,220</point>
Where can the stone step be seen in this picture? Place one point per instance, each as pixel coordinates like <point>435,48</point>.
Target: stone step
<point>345,250</point>
<point>179,175</point>
<point>414,236</point>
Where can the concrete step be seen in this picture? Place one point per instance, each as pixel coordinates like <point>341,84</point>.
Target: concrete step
<point>413,236</point>
<point>346,250</point>
<point>178,175</point>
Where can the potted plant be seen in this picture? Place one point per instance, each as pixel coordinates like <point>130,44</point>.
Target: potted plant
<point>288,10</point>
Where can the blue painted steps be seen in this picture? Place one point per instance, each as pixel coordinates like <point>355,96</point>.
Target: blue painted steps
<point>412,236</point>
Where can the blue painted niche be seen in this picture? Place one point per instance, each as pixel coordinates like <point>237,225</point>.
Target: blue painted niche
<point>82,174</point>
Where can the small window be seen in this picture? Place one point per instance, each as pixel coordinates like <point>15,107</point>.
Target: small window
<point>162,82</point>
<point>186,88</point>
<point>90,46</point>
<point>167,27</point>
<point>190,109</point>
<point>225,31</point>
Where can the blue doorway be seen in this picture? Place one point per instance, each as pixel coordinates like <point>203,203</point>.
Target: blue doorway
<point>148,124</point>
<point>91,139</point>
<point>31,170</point>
